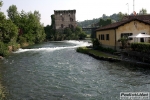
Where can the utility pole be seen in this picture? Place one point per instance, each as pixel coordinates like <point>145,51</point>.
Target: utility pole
<point>128,8</point>
<point>133,5</point>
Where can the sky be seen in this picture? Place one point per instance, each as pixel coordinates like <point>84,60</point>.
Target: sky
<point>85,9</point>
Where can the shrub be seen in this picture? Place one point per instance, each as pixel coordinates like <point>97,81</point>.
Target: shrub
<point>108,50</point>
<point>3,49</point>
<point>82,50</point>
<point>95,43</point>
<point>22,40</point>
<point>141,47</point>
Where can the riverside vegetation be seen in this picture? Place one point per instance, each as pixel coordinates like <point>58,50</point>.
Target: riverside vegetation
<point>18,30</point>
<point>99,52</point>
<point>21,29</point>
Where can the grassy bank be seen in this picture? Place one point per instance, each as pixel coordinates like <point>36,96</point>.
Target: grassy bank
<point>97,54</point>
<point>2,90</point>
<point>6,50</point>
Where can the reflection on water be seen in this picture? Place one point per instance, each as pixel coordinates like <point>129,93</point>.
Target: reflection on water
<point>64,74</point>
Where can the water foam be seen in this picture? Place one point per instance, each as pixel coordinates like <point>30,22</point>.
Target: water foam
<point>77,44</point>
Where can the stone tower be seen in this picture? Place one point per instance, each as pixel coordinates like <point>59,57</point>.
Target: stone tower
<point>65,18</point>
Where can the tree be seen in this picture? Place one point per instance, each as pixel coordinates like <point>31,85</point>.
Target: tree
<point>124,41</point>
<point>1,3</point>
<point>82,35</point>
<point>13,13</point>
<point>103,22</point>
<point>120,15</point>
<point>37,15</point>
<point>8,30</point>
<point>143,11</point>
<point>95,43</point>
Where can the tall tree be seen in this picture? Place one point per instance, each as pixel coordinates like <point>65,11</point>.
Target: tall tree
<point>1,3</point>
<point>120,15</point>
<point>37,15</point>
<point>8,30</point>
<point>12,13</point>
<point>143,11</point>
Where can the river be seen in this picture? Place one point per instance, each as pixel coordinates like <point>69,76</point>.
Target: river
<point>55,71</point>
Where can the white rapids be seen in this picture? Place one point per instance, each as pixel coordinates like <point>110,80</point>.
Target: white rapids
<point>77,44</point>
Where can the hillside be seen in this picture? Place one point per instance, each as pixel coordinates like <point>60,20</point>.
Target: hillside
<point>89,23</point>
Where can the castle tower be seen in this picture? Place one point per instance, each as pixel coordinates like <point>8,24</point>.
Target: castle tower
<point>65,18</point>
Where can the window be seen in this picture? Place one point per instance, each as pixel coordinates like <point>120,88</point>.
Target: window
<point>126,35</point>
<point>99,37</point>
<point>102,37</point>
<point>107,36</point>
<point>71,19</point>
<point>62,26</point>
<point>71,26</point>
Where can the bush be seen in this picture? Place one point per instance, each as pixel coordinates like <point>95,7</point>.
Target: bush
<point>3,49</point>
<point>22,40</point>
<point>108,50</point>
<point>82,50</point>
<point>95,43</point>
<point>141,47</point>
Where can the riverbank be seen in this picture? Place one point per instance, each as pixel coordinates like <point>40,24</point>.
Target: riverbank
<point>2,89</point>
<point>2,92</point>
<point>98,54</point>
<point>110,57</point>
<point>11,48</point>
<point>56,70</point>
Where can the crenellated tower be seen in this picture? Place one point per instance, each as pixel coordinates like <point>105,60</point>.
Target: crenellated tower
<point>65,18</point>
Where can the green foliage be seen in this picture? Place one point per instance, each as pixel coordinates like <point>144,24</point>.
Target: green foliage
<point>141,47</point>
<point>103,22</point>
<point>19,28</point>
<point>82,35</point>
<point>97,46</point>
<point>30,28</point>
<point>98,53</point>
<point>22,40</point>
<point>108,50</point>
<point>3,49</point>
<point>95,43</point>
<point>1,3</point>
<point>12,13</point>
<point>124,41</point>
<point>143,11</point>
<point>8,31</point>
<point>66,34</point>
<point>96,21</point>
<point>121,15</point>
<point>82,50</point>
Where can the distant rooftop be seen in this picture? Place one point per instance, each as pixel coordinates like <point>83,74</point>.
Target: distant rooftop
<point>142,18</point>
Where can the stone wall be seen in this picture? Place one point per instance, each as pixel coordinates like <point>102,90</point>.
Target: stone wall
<point>65,18</point>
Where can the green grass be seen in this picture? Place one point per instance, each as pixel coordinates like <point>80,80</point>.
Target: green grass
<point>95,52</point>
<point>2,91</point>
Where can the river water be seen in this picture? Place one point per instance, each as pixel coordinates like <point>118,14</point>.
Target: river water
<point>55,71</point>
